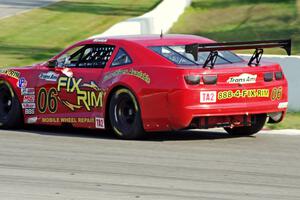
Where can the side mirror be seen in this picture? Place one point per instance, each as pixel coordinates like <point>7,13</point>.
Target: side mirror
<point>52,63</point>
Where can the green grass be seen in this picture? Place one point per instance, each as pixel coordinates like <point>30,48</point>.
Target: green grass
<point>41,33</point>
<point>241,20</point>
<point>291,121</point>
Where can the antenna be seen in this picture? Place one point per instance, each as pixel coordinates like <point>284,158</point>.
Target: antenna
<point>161,33</point>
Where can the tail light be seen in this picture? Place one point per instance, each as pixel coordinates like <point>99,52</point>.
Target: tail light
<point>268,76</point>
<point>278,75</point>
<point>192,79</point>
<point>210,79</point>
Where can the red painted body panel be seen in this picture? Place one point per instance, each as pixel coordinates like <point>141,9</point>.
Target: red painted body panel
<point>166,101</point>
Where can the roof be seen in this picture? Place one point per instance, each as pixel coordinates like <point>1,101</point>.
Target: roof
<point>155,40</point>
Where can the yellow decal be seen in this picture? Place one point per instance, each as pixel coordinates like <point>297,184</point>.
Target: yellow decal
<point>91,85</point>
<point>252,93</point>
<point>132,72</point>
<point>276,93</point>
<point>10,73</point>
<point>47,100</point>
<point>68,120</point>
<point>69,105</point>
<point>85,98</point>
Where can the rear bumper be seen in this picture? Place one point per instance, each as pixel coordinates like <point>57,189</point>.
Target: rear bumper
<point>182,114</point>
<point>175,109</point>
<point>234,109</point>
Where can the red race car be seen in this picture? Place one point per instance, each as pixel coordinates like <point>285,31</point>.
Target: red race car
<point>137,84</point>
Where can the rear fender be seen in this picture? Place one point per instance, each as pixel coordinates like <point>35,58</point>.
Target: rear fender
<point>152,99</point>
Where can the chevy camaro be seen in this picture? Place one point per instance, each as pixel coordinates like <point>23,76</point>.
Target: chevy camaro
<point>137,84</point>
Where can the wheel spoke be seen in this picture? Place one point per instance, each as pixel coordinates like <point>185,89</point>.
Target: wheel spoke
<point>125,113</point>
<point>9,103</point>
<point>125,116</point>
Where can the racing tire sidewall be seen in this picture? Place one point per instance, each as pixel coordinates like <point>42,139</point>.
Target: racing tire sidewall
<point>128,131</point>
<point>13,118</point>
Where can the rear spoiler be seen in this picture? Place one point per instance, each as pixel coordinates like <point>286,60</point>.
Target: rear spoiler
<point>213,48</point>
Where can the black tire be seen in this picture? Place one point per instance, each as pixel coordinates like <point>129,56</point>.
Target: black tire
<point>248,130</point>
<point>125,115</point>
<point>10,108</point>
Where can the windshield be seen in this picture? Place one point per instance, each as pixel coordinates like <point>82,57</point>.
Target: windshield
<point>179,56</point>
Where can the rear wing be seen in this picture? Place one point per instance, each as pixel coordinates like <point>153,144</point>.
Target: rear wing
<point>259,46</point>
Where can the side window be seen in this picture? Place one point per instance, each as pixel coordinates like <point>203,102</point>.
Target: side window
<point>95,56</point>
<point>122,58</point>
<point>89,56</point>
<point>70,58</point>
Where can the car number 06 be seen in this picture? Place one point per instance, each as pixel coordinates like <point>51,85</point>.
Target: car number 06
<point>47,100</point>
<point>208,97</point>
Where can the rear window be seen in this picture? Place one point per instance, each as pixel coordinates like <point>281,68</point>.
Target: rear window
<point>179,56</point>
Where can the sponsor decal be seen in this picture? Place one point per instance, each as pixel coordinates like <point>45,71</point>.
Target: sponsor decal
<point>100,40</point>
<point>49,76</point>
<point>68,120</point>
<point>251,93</point>
<point>28,105</point>
<point>28,98</point>
<point>283,105</point>
<point>10,73</point>
<point>29,111</point>
<point>99,123</point>
<point>242,79</point>
<point>208,97</point>
<point>88,95</point>
<point>32,120</point>
<point>27,91</point>
<point>22,83</point>
<point>276,93</point>
<point>131,72</point>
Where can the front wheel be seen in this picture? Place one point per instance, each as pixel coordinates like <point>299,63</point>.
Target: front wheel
<point>248,130</point>
<point>125,115</point>
<point>10,108</point>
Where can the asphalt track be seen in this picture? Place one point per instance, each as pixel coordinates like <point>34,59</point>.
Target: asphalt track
<point>12,7</point>
<point>68,164</point>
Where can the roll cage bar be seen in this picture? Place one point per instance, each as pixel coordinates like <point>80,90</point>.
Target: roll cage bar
<point>214,48</point>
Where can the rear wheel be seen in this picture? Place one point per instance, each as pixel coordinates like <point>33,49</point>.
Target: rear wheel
<point>125,115</point>
<point>248,130</point>
<point>10,108</point>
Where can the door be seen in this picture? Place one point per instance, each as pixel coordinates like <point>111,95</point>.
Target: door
<point>72,93</point>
